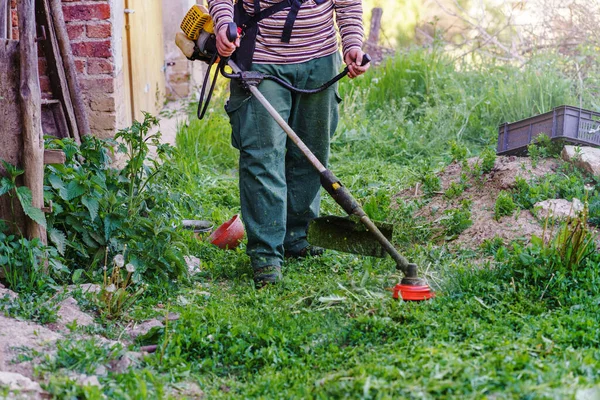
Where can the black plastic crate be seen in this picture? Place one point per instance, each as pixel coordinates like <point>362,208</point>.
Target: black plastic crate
<point>571,124</point>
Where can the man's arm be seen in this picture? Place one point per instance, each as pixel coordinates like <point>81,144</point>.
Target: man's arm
<point>348,15</point>
<point>221,11</point>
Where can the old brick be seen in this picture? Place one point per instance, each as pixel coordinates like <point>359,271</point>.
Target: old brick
<point>42,66</point>
<point>75,31</point>
<point>102,103</point>
<point>80,66</point>
<point>99,66</point>
<point>102,121</point>
<point>97,86</point>
<point>92,49</point>
<point>99,31</point>
<point>45,84</point>
<point>86,12</point>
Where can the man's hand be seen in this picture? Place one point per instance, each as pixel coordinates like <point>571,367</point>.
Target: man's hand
<point>224,46</point>
<point>353,60</point>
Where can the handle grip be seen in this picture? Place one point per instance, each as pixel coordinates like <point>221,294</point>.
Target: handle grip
<point>232,31</point>
<point>365,60</point>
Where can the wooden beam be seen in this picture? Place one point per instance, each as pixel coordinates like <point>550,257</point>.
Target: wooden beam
<point>54,157</point>
<point>66,52</point>
<point>31,110</point>
<point>56,69</point>
<point>11,140</point>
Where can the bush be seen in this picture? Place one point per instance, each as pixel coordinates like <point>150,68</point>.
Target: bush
<point>99,210</point>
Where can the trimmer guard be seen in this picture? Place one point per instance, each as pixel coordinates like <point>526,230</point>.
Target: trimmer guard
<point>348,235</point>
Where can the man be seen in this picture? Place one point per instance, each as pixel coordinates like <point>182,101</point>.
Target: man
<point>279,189</point>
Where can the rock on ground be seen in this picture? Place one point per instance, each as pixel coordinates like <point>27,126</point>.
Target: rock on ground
<point>69,311</point>
<point>20,387</point>
<point>15,335</point>
<point>586,158</point>
<point>558,208</point>
<point>143,328</point>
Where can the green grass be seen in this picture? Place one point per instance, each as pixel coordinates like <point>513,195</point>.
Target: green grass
<point>331,329</point>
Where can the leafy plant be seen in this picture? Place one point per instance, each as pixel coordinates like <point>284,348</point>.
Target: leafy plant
<point>488,160</point>
<point>454,190</point>
<point>97,207</point>
<point>457,220</point>
<point>27,264</point>
<point>458,151</point>
<point>543,147</point>
<point>117,294</point>
<point>504,206</point>
<point>8,185</point>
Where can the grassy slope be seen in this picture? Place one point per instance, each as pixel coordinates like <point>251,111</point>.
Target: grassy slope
<point>331,330</point>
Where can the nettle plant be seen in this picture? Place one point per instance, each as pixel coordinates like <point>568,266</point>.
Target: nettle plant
<point>98,208</point>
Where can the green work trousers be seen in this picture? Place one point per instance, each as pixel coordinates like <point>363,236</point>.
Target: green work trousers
<point>279,188</point>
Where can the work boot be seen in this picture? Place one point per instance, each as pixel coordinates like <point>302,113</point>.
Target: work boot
<point>308,251</point>
<point>269,274</point>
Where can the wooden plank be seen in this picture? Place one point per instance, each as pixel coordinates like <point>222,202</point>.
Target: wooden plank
<point>31,110</point>
<point>62,36</point>
<point>147,56</point>
<point>54,157</point>
<point>11,144</point>
<point>56,69</point>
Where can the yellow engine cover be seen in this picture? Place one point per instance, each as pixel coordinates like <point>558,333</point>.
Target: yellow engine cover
<point>197,20</point>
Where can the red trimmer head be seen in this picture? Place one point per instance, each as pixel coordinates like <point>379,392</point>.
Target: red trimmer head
<point>413,292</point>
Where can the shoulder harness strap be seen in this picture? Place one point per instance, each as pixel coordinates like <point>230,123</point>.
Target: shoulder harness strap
<point>293,5</point>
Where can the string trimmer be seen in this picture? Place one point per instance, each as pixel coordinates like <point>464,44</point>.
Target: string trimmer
<point>200,44</point>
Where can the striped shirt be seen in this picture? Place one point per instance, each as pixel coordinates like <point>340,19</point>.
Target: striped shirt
<point>313,36</point>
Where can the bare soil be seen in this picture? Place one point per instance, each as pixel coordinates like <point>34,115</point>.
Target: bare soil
<point>482,192</point>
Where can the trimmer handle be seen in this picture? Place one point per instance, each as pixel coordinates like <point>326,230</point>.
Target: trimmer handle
<point>232,32</point>
<point>365,60</point>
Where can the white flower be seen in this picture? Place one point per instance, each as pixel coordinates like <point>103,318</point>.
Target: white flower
<point>119,260</point>
<point>111,288</point>
<point>130,268</point>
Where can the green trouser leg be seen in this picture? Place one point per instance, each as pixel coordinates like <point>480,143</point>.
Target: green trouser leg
<point>279,188</point>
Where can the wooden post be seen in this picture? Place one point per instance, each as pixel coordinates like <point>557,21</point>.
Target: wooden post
<point>66,52</point>
<point>375,28</point>
<point>31,110</point>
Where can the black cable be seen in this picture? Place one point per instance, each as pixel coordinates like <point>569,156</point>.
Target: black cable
<point>202,110</point>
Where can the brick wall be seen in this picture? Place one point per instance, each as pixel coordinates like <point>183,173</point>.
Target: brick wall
<point>91,31</point>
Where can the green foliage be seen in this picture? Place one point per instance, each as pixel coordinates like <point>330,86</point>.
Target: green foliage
<point>543,147</point>
<point>454,190</point>
<point>457,220</point>
<point>505,206</point>
<point>8,185</point>
<point>458,151</point>
<point>568,182</point>
<point>488,160</point>
<point>98,208</point>
<point>557,267</point>
<point>26,264</point>
<point>41,307</point>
